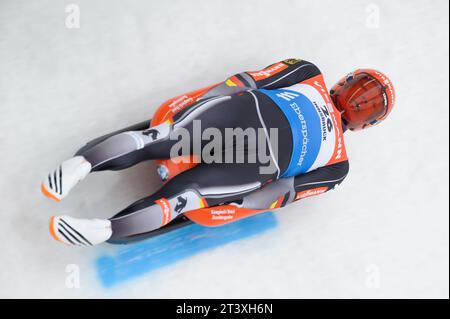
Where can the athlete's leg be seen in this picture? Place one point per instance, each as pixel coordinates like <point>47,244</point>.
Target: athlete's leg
<point>136,127</point>
<point>203,186</point>
<point>123,150</point>
<point>90,157</point>
<point>128,148</point>
<point>77,167</point>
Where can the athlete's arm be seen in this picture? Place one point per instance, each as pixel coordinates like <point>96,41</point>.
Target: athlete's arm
<point>287,190</point>
<point>277,75</point>
<point>283,74</point>
<point>320,180</point>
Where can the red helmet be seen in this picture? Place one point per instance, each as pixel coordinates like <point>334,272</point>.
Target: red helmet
<point>364,98</point>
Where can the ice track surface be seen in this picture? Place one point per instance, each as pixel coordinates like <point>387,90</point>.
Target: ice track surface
<point>383,233</point>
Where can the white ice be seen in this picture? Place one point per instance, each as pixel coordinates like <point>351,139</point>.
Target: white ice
<point>383,233</point>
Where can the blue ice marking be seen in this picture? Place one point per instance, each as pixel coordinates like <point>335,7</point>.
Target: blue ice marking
<point>133,260</point>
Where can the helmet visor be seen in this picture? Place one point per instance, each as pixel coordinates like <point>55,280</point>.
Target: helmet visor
<point>363,100</point>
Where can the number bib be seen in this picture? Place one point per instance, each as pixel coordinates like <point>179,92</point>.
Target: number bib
<point>316,130</point>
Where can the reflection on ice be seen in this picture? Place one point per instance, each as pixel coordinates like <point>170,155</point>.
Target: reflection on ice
<point>140,258</point>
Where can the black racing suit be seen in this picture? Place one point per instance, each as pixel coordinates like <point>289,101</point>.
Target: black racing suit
<point>307,156</point>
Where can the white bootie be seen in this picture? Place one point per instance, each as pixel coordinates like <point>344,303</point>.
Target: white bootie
<point>59,182</point>
<point>80,232</point>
